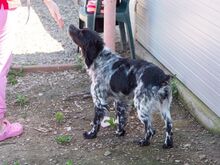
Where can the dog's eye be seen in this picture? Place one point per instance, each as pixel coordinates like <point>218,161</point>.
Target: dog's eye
<point>82,33</point>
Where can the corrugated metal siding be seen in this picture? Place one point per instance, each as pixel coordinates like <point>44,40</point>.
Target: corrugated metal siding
<point>185,37</point>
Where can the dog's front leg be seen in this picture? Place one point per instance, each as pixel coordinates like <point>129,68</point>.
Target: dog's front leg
<point>121,117</point>
<point>99,96</point>
<point>99,114</point>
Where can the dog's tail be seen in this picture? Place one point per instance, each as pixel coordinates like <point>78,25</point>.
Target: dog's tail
<point>166,79</point>
<point>165,91</point>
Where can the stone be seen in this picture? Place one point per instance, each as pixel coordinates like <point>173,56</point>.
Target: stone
<point>107,153</point>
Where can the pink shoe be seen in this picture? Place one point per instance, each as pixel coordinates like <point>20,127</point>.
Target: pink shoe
<point>10,130</point>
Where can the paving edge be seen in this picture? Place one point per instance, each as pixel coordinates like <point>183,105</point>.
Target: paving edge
<point>45,68</point>
<point>198,109</point>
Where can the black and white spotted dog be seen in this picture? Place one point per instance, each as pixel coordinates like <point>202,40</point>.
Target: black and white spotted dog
<point>117,77</point>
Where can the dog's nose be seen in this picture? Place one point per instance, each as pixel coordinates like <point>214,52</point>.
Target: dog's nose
<point>73,29</point>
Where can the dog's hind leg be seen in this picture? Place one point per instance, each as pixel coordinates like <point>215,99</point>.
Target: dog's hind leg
<point>165,101</point>
<point>144,106</point>
<point>168,143</point>
<point>149,131</point>
<point>120,108</point>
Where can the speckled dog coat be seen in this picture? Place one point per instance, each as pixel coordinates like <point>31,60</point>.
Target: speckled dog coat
<point>118,77</point>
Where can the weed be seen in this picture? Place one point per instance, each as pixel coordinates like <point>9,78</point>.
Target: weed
<point>174,87</point>
<point>111,122</point>
<point>16,163</point>
<point>21,100</point>
<point>12,76</point>
<point>79,62</point>
<point>64,139</point>
<point>59,117</point>
<point>12,79</point>
<point>69,162</point>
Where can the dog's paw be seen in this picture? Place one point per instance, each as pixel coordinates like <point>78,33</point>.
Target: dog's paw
<point>88,135</point>
<point>121,133</point>
<point>168,144</point>
<point>144,143</point>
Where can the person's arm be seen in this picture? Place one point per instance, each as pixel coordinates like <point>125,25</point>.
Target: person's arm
<point>54,11</point>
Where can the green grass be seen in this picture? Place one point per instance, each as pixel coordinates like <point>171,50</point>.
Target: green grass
<point>174,87</point>
<point>16,163</point>
<point>69,162</point>
<point>80,62</point>
<point>59,117</point>
<point>111,122</point>
<point>12,76</point>
<point>64,139</point>
<point>12,79</point>
<point>21,99</point>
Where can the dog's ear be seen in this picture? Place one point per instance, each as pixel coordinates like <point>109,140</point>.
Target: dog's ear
<point>92,50</point>
<point>99,44</point>
<point>89,54</point>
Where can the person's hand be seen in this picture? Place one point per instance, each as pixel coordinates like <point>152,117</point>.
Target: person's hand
<point>54,11</point>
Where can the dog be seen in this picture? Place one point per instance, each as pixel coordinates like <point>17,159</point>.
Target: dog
<point>117,77</point>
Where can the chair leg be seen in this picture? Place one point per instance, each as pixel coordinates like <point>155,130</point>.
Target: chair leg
<point>80,24</point>
<point>123,35</point>
<point>89,23</point>
<point>130,38</point>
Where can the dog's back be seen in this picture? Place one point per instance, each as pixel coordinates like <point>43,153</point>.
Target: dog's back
<point>121,75</point>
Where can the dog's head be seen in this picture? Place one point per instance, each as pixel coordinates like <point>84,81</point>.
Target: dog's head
<point>89,41</point>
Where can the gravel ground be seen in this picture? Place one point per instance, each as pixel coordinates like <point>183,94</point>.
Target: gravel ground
<point>40,41</point>
<point>66,92</point>
<point>37,97</point>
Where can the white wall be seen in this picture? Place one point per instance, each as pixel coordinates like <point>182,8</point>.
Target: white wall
<point>184,35</point>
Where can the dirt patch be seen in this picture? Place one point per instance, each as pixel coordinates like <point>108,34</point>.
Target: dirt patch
<point>36,98</point>
<point>63,92</point>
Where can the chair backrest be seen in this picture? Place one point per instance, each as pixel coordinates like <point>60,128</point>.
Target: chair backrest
<point>120,4</point>
<point>125,4</point>
<point>98,6</point>
<point>97,11</point>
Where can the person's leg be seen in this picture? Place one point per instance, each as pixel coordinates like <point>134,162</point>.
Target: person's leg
<point>7,25</point>
<point>3,82</point>
<point>6,45</point>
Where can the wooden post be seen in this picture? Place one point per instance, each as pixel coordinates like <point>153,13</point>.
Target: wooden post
<point>109,23</point>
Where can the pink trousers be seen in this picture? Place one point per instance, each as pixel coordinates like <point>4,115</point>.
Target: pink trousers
<point>7,28</point>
